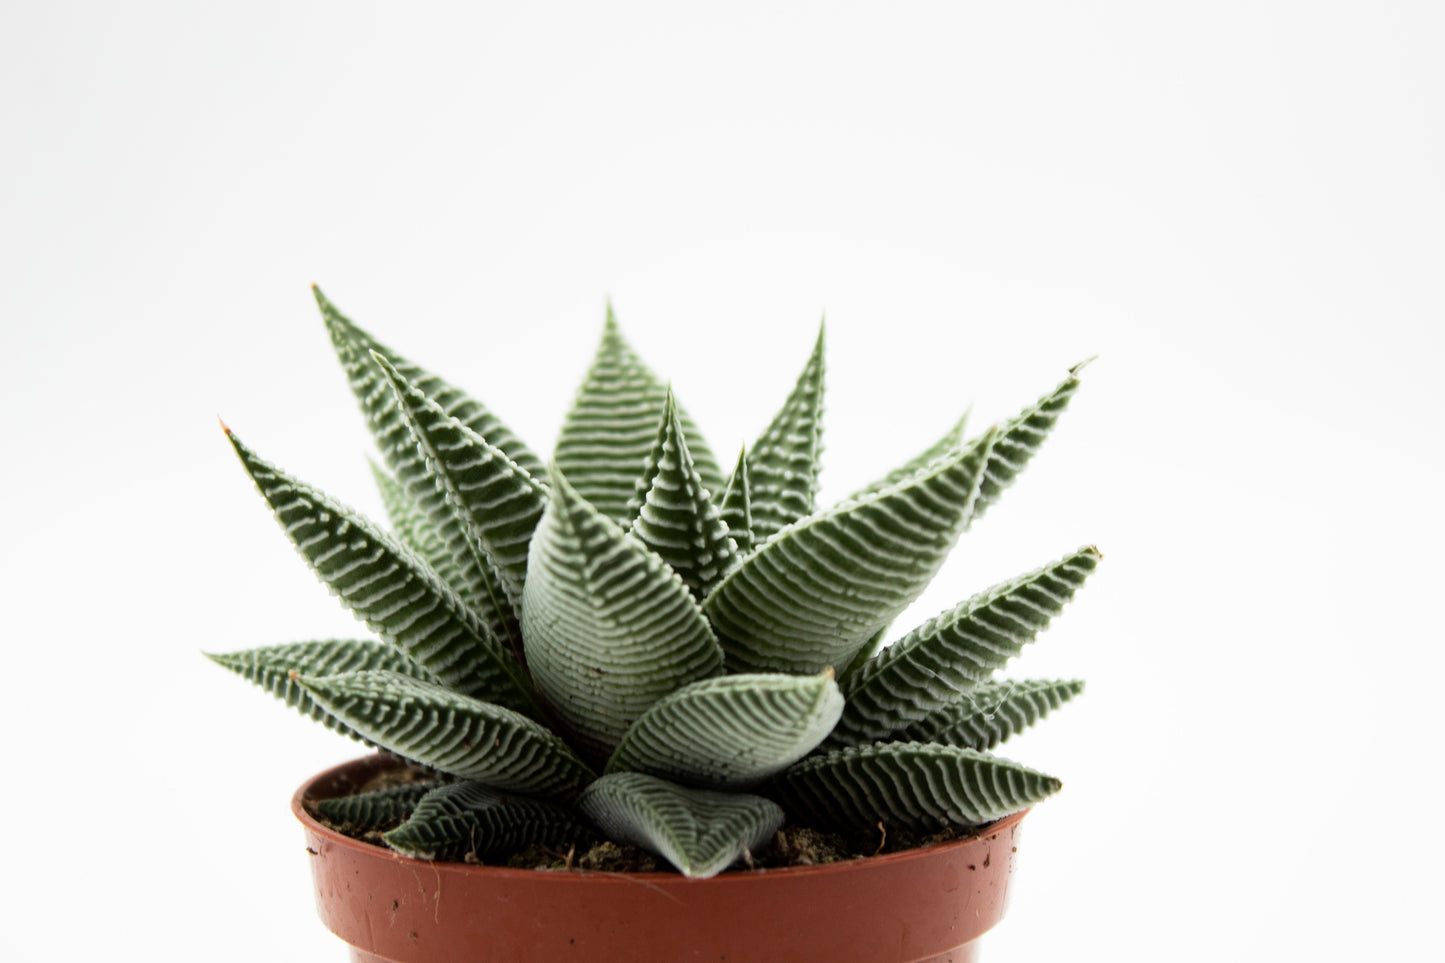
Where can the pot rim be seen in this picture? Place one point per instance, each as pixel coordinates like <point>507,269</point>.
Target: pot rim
<point>306,793</point>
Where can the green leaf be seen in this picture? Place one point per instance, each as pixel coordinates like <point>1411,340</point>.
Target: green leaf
<point>952,439</point>
<point>986,716</point>
<point>609,629</point>
<point>469,821</point>
<point>674,515</point>
<point>733,731</point>
<point>783,463</point>
<point>736,506</point>
<point>484,506</point>
<point>450,732</point>
<point>910,784</point>
<point>812,596</point>
<point>699,831</point>
<point>409,524</point>
<point>391,589</point>
<point>957,649</point>
<point>353,348</point>
<point>271,669</point>
<point>610,429</point>
<point>1020,438</point>
<point>366,812</point>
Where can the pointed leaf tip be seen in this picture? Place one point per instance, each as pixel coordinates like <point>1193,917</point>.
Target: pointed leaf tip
<point>223,426</point>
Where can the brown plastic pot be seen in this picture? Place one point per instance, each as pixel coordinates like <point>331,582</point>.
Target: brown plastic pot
<point>928,904</point>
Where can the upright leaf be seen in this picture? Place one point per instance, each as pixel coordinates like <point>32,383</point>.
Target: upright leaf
<point>812,596</point>
<point>957,649</point>
<point>1020,438</point>
<point>489,507</point>
<point>392,590</point>
<point>410,525</point>
<point>699,831</point>
<point>736,506</point>
<point>982,718</point>
<point>783,463</point>
<point>674,515</point>
<point>731,732</point>
<point>450,732</point>
<point>911,784</point>
<point>353,348</point>
<point>610,429</point>
<point>951,439</point>
<point>467,821</point>
<point>609,628</point>
<point>273,668</point>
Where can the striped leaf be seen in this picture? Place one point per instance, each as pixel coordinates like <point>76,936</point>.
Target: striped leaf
<point>814,594</point>
<point>909,784</point>
<point>367,812</point>
<point>783,463</point>
<point>609,629</point>
<point>611,427</point>
<point>378,402</point>
<point>956,650</point>
<point>700,831</point>
<point>409,524</point>
<point>733,731</point>
<point>953,438</point>
<point>673,514</point>
<point>272,669</point>
<point>1021,437</point>
<point>986,716</point>
<point>736,506</point>
<point>487,509</point>
<point>391,589</point>
<point>468,821</point>
<point>450,732</point>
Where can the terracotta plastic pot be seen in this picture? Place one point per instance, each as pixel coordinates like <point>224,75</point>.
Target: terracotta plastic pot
<point>928,904</point>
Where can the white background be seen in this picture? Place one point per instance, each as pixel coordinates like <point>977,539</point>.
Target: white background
<point>1237,206</point>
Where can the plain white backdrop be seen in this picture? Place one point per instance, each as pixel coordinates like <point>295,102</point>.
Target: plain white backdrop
<point>1237,206</point>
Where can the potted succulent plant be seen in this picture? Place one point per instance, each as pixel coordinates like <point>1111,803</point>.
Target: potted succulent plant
<point>628,645</point>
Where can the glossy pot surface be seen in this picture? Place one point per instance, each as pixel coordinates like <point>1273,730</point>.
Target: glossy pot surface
<point>927,904</point>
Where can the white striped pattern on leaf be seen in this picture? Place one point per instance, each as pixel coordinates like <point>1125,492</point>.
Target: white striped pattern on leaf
<point>611,426</point>
<point>986,716</point>
<point>410,526</point>
<point>736,506</point>
<point>733,731</point>
<point>673,514</point>
<point>911,784</point>
<point>609,629</point>
<point>450,732</point>
<point>488,508</point>
<point>353,348</point>
<point>391,589</point>
<point>700,831</point>
<point>783,463</point>
<point>812,595</point>
<point>364,812</point>
<point>271,668</point>
<point>957,649</point>
<point>1019,439</point>
<point>468,820</point>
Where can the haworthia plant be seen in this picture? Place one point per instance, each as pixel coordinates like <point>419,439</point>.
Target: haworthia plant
<point>629,644</point>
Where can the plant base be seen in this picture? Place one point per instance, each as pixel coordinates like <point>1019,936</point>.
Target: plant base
<point>925,905</point>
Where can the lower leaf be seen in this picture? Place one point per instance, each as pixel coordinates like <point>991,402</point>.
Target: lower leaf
<point>470,821</point>
<point>699,831</point>
<point>451,732</point>
<point>912,784</point>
